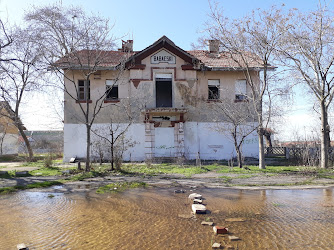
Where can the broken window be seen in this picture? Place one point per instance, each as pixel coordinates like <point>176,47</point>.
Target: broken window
<point>163,90</point>
<point>111,90</point>
<point>213,88</point>
<point>82,95</point>
<point>240,90</point>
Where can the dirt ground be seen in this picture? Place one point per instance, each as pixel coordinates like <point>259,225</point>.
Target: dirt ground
<point>179,181</point>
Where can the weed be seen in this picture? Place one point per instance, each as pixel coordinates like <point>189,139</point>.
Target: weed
<point>226,179</point>
<point>48,161</point>
<point>120,186</point>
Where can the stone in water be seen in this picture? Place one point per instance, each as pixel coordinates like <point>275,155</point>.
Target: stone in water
<point>22,247</point>
<point>232,238</point>
<point>195,196</point>
<point>207,223</point>
<point>220,230</point>
<point>198,208</point>
<point>216,245</point>
<point>198,201</point>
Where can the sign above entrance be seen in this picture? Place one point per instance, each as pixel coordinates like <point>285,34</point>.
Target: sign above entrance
<point>163,57</point>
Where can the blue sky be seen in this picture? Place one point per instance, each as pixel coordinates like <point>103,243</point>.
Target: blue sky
<point>146,21</point>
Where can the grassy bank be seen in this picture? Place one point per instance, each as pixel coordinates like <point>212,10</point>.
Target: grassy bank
<point>6,190</point>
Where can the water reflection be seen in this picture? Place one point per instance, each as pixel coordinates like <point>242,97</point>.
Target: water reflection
<point>149,219</point>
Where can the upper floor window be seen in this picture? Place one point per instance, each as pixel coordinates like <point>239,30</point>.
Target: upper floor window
<point>111,90</point>
<point>240,90</point>
<point>82,95</point>
<point>213,88</point>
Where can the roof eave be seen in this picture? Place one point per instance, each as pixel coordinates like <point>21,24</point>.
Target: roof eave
<point>73,67</point>
<point>239,68</point>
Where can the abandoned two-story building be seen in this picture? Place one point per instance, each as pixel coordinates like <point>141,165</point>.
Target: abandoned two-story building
<point>164,97</point>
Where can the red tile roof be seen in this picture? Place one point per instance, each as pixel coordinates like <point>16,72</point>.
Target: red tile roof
<point>110,59</point>
<point>87,58</point>
<point>224,60</point>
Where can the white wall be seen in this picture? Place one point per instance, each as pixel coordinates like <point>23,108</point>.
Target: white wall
<point>199,138</point>
<point>75,141</point>
<point>10,144</point>
<point>202,138</point>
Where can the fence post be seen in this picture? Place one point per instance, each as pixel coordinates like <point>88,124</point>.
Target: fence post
<point>287,153</point>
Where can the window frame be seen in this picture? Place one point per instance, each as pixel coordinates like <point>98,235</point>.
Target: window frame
<point>240,92</point>
<point>82,91</point>
<point>213,84</point>
<point>113,86</point>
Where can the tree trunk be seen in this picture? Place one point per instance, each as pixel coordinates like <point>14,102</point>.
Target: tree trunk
<point>324,136</point>
<point>239,157</point>
<point>112,150</point>
<point>88,148</point>
<point>26,141</point>
<point>261,149</point>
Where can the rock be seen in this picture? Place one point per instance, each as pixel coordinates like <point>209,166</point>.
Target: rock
<point>233,238</point>
<point>72,160</point>
<point>195,196</point>
<point>22,247</point>
<point>21,173</point>
<point>235,219</point>
<point>197,201</point>
<point>179,191</point>
<point>207,223</point>
<point>220,230</point>
<point>198,208</point>
<point>216,245</point>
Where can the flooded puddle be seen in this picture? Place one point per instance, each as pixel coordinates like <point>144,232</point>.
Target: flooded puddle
<point>159,219</point>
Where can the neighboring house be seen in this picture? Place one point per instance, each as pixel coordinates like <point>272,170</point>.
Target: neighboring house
<point>9,134</point>
<point>171,94</point>
<point>51,141</point>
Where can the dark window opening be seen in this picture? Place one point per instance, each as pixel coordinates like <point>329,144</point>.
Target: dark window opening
<point>213,93</point>
<point>112,92</point>
<point>239,97</point>
<point>164,93</point>
<point>82,95</point>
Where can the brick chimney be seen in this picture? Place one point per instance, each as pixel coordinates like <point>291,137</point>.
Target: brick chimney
<point>127,46</point>
<point>214,46</point>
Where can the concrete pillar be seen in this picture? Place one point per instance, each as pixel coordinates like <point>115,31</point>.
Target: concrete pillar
<point>149,141</point>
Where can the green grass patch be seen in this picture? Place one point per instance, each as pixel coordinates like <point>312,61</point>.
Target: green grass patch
<point>44,184</point>
<point>51,171</point>
<point>226,179</point>
<point>120,186</point>
<point>155,169</point>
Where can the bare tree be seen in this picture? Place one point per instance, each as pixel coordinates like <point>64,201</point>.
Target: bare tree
<point>20,77</point>
<point>251,42</point>
<point>241,122</point>
<point>114,135</point>
<point>5,39</point>
<point>308,48</point>
<point>77,44</point>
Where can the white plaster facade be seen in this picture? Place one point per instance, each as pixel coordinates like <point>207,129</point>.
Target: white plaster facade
<point>10,145</point>
<point>188,131</point>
